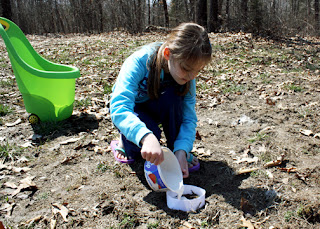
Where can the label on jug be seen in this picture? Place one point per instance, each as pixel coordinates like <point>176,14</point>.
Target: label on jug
<point>153,178</point>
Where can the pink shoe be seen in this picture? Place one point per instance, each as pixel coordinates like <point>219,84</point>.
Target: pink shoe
<point>114,148</point>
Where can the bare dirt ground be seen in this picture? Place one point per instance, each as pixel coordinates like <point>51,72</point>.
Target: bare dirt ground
<point>258,141</point>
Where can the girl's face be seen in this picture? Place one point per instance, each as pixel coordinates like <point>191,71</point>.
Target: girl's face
<point>183,71</point>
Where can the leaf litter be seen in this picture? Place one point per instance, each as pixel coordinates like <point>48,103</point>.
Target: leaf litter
<point>254,87</point>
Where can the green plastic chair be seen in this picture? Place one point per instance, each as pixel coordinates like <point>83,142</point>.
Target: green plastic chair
<point>47,88</point>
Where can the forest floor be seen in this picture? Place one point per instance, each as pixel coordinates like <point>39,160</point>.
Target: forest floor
<point>258,140</point>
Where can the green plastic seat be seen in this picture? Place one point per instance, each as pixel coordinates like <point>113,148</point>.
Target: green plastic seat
<point>47,88</point>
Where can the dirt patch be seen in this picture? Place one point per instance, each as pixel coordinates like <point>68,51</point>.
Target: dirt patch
<point>257,102</point>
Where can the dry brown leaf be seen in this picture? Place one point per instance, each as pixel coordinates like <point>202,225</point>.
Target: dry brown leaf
<point>28,181</point>
<point>53,223</point>
<point>7,208</point>
<point>67,159</point>
<point>98,150</point>
<point>303,175</point>
<point>10,185</point>
<point>272,163</point>
<point>288,170</point>
<point>20,170</point>
<point>246,223</point>
<point>89,146</point>
<point>14,169</point>
<point>256,224</point>
<point>204,153</point>
<point>3,166</point>
<point>186,225</point>
<point>248,160</point>
<point>270,102</point>
<point>199,151</point>
<point>215,102</point>
<point>317,135</point>
<point>108,149</point>
<point>26,144</point>
<point>25,184</point>
<point>306,132</point>
<point>246,170</point>
<point>23,159</point>
<point>198,136</point>
<point>276,162</point>
<point>14,123</point>
<point>35,219</point>
<point>59,208</point>
<point>70,140</point>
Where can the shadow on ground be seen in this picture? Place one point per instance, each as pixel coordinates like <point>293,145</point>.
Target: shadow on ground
<point>217,178</point>
<point>72,126</point>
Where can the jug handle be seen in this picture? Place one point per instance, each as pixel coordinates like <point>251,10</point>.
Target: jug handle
<point>5,24</point>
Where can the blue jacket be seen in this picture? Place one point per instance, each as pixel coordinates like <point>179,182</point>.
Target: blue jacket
<point>131,88</point>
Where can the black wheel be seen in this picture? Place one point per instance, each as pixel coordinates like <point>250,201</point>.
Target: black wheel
<point>33,119</point>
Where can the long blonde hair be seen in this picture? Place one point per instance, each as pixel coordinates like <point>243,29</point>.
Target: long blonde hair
<point>187,42</point>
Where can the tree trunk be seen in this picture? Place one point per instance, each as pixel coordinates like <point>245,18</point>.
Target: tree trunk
<point>76,16</point>
<point>220,5</point>
<point>227,13</point>
<point>149,13</point>
<point>59,18</point>
<point>244,14</point>
<point>192,10</point>
<point>166,15</point>
<point>316,16</point>
<point>213,18</point>
<point>201,12</point>
<point>256,16</point>
<point>6,9</point>
<point>187,10</point>
<point>22,22</point>
<point>273,8</point>
<point>295,6</point>
<point>100,16</point>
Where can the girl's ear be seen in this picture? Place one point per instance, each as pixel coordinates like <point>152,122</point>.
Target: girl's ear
<point>166,53</point>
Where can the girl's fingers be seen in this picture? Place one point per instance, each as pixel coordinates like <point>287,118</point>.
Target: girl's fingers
<point>184,169</point>
<point>146,156</point>
<point>149,157</point>
<point>143,155</point>
<point>155,161</point>
<point>181,156</point>
<point>153,158</point>
<point>185,173</point>
<point>158,159</point>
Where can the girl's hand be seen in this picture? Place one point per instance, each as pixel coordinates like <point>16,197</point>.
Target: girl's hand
<point>181,155</point>
<point>151,149</point>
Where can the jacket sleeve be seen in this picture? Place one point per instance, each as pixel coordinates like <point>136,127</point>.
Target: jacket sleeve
<point>123,97</point>
<point>187,131</point>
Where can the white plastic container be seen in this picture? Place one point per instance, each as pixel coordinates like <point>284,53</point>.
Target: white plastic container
<point>185,204</point>
<point>167,175</point>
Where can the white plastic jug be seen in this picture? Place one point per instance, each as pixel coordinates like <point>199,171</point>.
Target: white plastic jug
<point>167,175</point>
